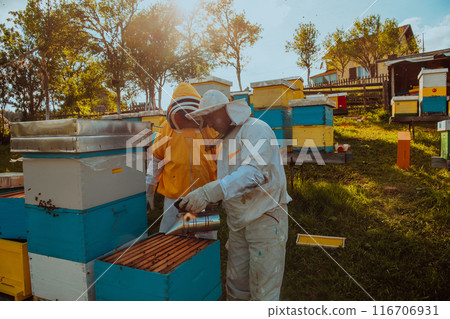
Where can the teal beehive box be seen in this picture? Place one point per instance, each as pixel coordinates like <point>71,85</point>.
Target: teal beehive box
<point>161,267</point>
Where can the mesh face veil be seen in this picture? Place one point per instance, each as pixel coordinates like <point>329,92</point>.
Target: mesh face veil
<point>178,109</point>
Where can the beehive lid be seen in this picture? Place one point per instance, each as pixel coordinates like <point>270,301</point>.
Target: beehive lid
<point>273,83</point>
<point>75,127</point>
<point>404,98</point>
<point>75,136</point>
<point>160,253</point>
<point>200,80</point>
<point>337,94</point>
<point>313,102</point>
<point>431,71</point>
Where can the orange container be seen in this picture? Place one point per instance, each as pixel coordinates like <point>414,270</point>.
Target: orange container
<point>403,150</point>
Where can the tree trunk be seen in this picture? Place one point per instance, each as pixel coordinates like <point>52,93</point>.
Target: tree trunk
<point>118,98</point>
<point>47,95</point>
<point>309,72</point>
<point>238,74</point>
<point>159,96</point>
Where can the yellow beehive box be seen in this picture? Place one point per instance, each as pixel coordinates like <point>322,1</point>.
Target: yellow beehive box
<point>405,106</point>
<point>432,91</point>
<point>320,136</point>
<point>273,92</point>
<point>298,82</point>
<point>14,269</point>
<point>204,84</point>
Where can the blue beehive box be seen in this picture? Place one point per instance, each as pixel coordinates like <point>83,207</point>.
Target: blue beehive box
<point>12,214</point>
<point>433,105</point>
<point>83,235</point>
<point>161,268</point>
<point>313,111</point>
<point>273,116</point>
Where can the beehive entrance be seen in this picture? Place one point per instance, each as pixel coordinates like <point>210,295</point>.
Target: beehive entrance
<point>160,253</point>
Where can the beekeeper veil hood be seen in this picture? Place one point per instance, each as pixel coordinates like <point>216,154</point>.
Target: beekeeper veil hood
<point>185,100</point>
<point>213,100</point>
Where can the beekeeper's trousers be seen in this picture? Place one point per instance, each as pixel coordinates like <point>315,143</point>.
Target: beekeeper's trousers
<point>256,256</point>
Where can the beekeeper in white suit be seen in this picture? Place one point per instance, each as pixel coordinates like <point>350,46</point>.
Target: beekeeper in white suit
<point>252,185</point>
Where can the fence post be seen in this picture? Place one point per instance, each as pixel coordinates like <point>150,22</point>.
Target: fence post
<point>364,90</point>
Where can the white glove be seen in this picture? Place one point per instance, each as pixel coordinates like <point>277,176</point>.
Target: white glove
<point>197,200</point>
<point>150,197</point>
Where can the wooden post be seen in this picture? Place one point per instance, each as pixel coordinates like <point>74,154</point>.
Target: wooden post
<point>364,89</point>
<point>403,150</point>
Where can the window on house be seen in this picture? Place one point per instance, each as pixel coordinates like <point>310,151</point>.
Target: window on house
<point>362,73</point>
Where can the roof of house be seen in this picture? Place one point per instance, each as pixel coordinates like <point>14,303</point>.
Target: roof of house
<point>324,73</point>
<point>417,57</point>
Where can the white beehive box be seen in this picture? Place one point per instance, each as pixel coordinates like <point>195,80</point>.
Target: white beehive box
<point>60,279</point>
<point>429,78</point>
<point>80,183</point>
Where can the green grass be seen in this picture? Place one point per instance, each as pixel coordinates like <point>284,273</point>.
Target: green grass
<point>396,221</point>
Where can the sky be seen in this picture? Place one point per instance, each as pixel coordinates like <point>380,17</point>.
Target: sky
<point>279,19</point>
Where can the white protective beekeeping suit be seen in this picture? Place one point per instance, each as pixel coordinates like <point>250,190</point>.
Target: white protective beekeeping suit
<point>253,183</point>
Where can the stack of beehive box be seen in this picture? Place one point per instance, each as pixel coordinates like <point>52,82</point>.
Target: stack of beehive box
<point>204,84</point>
<point>433,91</point>
<point>312,123</point>
<point>14,266</point>
<point>82,199</point>
<point>270,101</point>
<point>444,128</point>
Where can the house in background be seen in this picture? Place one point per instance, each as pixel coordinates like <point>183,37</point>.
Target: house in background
<point>354,71</point>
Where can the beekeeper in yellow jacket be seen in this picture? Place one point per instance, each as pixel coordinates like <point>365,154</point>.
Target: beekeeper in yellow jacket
<point>251,183</point>
<point>172,163</point>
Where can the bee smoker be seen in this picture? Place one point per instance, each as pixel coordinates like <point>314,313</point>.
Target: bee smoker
<point>190,224</point>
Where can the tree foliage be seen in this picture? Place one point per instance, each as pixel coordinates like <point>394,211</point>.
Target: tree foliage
<point>370,39</point>
<point>20,69</point>
<point>336,47</point>
<point>305,45</point>
<point>107,22</point>
<point>228,34</point>
<point>49,27</point>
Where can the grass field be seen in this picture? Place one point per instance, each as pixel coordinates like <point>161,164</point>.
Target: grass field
<point>397,222</point>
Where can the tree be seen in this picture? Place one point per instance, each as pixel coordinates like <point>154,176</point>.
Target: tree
<point>305,45</point>
<point>107,21</point>
<point>22,68</point>
<point>152,38</point>
<point>371,40</point>
<point>228,34</point>
<point>337,50</point>
<point>50,27</point>
<point>195,58</point>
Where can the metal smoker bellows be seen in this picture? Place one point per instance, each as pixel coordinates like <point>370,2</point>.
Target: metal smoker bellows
<point>205,221</point>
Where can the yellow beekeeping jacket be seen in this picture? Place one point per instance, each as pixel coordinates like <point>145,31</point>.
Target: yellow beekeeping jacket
<point>181,175</point>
